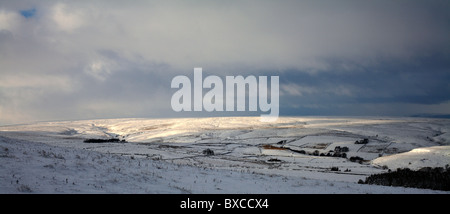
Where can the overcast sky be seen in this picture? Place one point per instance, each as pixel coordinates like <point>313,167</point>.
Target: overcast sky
<point>64,60</point>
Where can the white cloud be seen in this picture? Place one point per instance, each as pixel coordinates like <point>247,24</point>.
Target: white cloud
<point>9,20</point>
<point>99,70</point>
<point>67,19</point>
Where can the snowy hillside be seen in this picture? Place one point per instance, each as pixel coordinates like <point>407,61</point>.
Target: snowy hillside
<point>435,156</point>
<point>218,155</point>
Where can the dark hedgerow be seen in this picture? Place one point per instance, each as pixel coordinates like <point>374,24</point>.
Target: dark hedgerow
<point>425,178</point>
<point>111,140</point>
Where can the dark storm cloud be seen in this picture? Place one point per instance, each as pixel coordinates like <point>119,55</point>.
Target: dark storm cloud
<point>421,81</point>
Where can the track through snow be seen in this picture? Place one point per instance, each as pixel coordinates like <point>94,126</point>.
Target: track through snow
<point>166,155</point>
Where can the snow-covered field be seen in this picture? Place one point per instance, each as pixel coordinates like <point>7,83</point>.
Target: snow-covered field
<point>168,155</point>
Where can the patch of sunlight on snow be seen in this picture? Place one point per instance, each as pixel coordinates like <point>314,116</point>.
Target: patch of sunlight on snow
<point>420,150</point>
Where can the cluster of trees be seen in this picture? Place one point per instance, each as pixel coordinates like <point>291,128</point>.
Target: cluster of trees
<point>425,178</point>
<point>356,159</point>
<point>363,141</point>
<point>337,152</point>
<point>208,152</point>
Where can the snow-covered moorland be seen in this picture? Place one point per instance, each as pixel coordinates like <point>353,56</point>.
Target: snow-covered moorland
<point>218,155</point>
